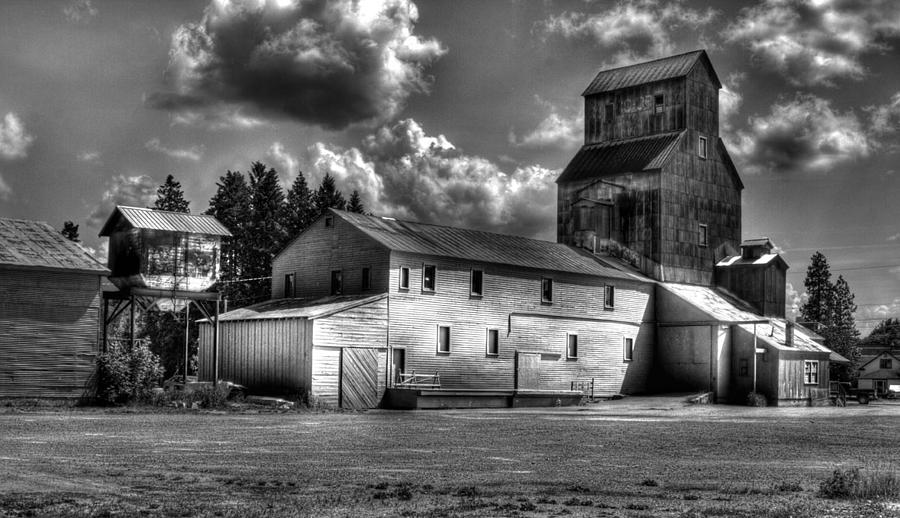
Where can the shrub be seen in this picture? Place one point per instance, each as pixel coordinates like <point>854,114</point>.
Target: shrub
<point>649,482</point>
<point>756,399</point>
<point>126,374</point>
<point>208,396</point>
<point>841,484</point>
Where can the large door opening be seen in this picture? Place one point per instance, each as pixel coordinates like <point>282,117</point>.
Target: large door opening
<point>359,378</point>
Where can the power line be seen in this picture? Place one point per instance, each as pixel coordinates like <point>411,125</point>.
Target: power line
<point>852,269</point>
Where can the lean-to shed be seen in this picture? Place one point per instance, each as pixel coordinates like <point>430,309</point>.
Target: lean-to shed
<point>49,312</point>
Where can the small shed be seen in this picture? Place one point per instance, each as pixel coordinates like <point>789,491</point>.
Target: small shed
<point>50,292</point>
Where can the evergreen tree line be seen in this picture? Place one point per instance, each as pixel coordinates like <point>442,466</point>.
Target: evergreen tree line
<point>829,311</point>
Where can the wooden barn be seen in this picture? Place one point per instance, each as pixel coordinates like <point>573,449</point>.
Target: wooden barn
<point>50,292</point>
<point>475,314</point>
<point>756,276</point>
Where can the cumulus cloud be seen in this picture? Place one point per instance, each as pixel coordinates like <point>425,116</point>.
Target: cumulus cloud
<point>132,191</point>
<point>895,237</point>
<point>803,134</point>
<point>219,116</point>
<point>885,119</point>
<point>80,11</point>
<point>285,162</point>
<point>562,131</point>
<point>14,139</point>
<point>730,100</point>
<point>631,31</point>
<point>89,156</point>
<point>326,63</point>
<point>793,301</point>
<point>403,172</point>
<point>5,189</point>
<point>816,42</point>
<point>194,153</point>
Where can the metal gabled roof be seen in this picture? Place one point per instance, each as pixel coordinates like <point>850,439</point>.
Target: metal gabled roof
<point>299,308</point>
<point>717,304</point>
<point>650,71</point>
<point>615,157</point>
<point>154,219</point>
<point>482,247</point>
<point>35,244</point>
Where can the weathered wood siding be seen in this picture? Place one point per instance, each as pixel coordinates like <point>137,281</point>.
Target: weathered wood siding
<point>634,111</point>
<point>319,250</point>
<point>511,303</point>
<point>49,332</point>
<point>326,376</point>
<point>763,287</point>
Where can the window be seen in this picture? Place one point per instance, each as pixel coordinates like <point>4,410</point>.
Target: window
<point>443,339</point>
<point>659,102</point>
<point>609,297</point>
<point>810,372</point>
<point>289,286</point>
<point>546,290</point>
<point>608,114</point>
<point>492,342</point>
<point>428,273</point>
<point>476,284</point>
<point>701,150</point>
<point>366,279</point>
<point>329,221</point>
<point>743,367</point>
<point>571,345</point>
<point>337,282</point>
<point>628,349</point>
<point>703,236</point>
<point>404,278</point>
<point>885,363</point>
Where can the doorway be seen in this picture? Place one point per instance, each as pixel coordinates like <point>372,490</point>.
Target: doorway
<point>398,365</point>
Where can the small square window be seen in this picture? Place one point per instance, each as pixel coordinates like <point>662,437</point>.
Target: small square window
<point>404,278</point>
<point>743,367</point>
<point>659,102</point>
<point>546,290</point>
<point>366,279</point>
<point>810,372</point>
<point>492,342</point>
<point>476,288</point>
<point>703,236</point>
<point>609,297</point>
<point>571,345</point>
<point>428,277</point>
<point>701,149</point>
<point>289,286</point>
<point>337,282</point>
<point>628,349</point>
<point>443,339</point>
<point>329,221</point>
<point>885,363</point>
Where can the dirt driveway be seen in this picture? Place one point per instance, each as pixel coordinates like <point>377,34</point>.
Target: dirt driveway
<point>633,457</point>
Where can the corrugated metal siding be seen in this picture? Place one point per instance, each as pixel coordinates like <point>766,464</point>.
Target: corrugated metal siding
<point>35,244</point>
<point>617,157</point>
<point>657,70</point>
<point>49,325</point>
<point>164,220</point>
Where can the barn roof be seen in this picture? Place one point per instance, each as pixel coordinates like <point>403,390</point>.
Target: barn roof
<point>649,71</point>
<point>763,260</point>
<point>154,219</point>
<point>774,335</point>
<point>299,308</point>
<point>484,247</point>
<point>35,244</point>
<point>717,304</point>
<point>620,156</point>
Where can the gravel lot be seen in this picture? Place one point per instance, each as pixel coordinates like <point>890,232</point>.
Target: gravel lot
<point>634,457</point>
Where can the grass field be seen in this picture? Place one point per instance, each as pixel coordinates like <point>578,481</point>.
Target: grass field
<point>636,457</point>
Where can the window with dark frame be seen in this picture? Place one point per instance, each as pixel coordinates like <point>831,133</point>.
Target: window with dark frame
<point>703,235</point>
<point>443,339</point>
<point>404,278</point>
<point>701,150</point>
<point>329,221</point>
<point>885,363</point>
<point>289,286</point>
<point>492,342</point>
<point>476,287</point>
<point>571,345</point>
<point>337,282</point>
<point>608,112</point>
<point>546,290</point>
<point>810,372</point>
<point>659,102</point>
<point>609,297</point>
<point>628,349</point>
<point>366,279</point>
<point>429,271</point>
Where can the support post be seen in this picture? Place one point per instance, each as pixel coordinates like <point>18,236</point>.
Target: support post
<point>131,321</point>
<point>104,335</point>
<point>216,345</point>
<point>754,358</point>
<point>187,339</point>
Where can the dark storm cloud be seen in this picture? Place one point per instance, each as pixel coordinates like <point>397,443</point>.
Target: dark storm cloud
<point>329,63</point>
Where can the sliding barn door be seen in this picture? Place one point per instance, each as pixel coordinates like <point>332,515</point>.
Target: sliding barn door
<point>359,378</point>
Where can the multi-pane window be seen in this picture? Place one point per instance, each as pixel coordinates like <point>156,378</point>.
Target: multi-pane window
<point>703,236</point>
<point>701,148</point>
<point>628,349</point>
<point>811,372</point>
<point>289,286</point>
<point>571,345</point>
<point>609,297</point>
<point>492,342</point>
<point>885,363</point>
<point>476,287</point>
<point>337,282</point>
<point>404,278</point>
<point>428,277</point>
<point>366,279</point>
<point>443,339</point>
<point>546,290</point>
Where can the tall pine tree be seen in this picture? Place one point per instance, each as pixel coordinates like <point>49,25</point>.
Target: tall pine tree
<point>266,234</point>
<point>70,231</point>
<point>170,196</point>
<point>298,211</point>
<point>231,206</point>
<point>819,289</point>
<point>328,196</point>
<point>355,204</point>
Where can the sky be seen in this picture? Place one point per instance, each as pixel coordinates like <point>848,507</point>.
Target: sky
<point>458,112</point>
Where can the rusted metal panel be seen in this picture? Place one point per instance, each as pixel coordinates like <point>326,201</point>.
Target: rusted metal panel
<point>35,244</point>
<point>49,325</point>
